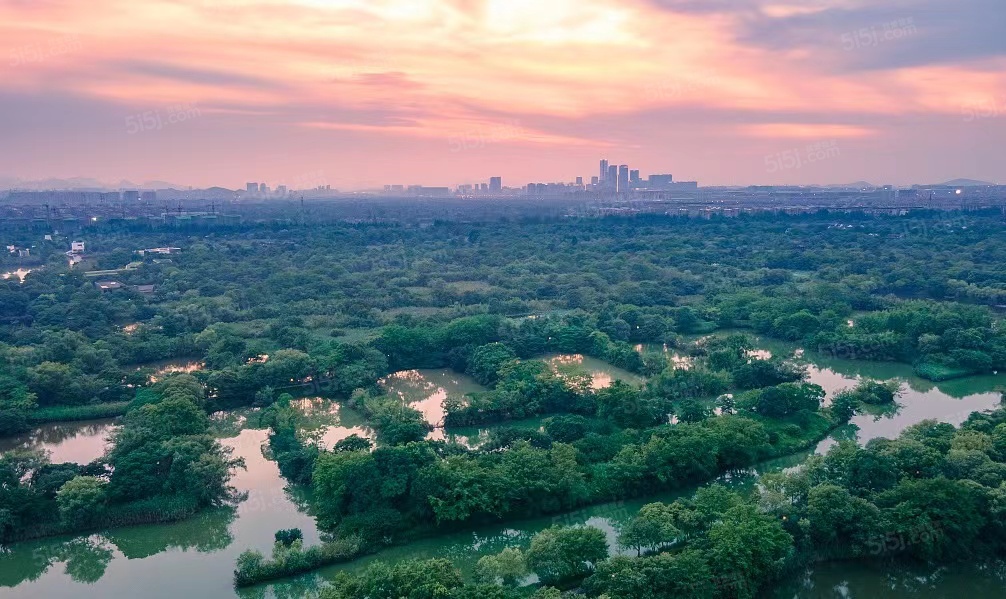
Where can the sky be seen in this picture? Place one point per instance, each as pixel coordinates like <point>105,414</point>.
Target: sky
<point>361,93</point>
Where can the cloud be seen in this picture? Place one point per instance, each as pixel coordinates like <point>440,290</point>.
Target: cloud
<point>382,86</point>
<point>191,74</point>
<point>856,35</point>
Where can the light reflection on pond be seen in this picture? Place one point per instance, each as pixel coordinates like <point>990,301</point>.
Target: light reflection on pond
<point>79,442</point>
<point>602,374</point>
<point>114,563</point>
<point>425,390</point>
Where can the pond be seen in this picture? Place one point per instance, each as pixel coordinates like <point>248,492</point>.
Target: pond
<point>601,373</point>
<point>676,358</point>
<point>919,399</point>
<point>426,389</point>
<point>197,557</point>
<point>79,442</point>
<point>192,558</point>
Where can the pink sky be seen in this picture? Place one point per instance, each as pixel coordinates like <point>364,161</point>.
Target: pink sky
<point>359,93</point>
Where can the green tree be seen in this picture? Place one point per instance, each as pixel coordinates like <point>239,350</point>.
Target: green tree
<point>487,360</point>
<point>559,553</point>
<point>509,567</point>
<point>653,527</point>
<point>16,405</point>
<point>81,499</point>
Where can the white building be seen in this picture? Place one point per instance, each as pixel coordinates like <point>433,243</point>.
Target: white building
<point>77,247</point>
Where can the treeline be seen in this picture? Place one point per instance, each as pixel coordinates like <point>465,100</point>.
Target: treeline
<point>238,294</point>
<point>381,493</point>
<point>934,494</point>
<point>453,343</point>
<point>942,340</point>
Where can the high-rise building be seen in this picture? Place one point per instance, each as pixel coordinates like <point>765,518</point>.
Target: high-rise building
<point>623,178</point>
<point>263,188</point>
<point>130,196</point>
<point>281,190</point>
<point>484,187</point>
<point>611,179</point>
<point>604,170</point>
<point>251,187</point>
<point>594,181</point>
<point>634,176</point>
<point>579,181</point>
<point>149,196</point>
<point>495,184</point>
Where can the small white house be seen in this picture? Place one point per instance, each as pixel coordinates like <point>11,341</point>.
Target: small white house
<point>77,247</point>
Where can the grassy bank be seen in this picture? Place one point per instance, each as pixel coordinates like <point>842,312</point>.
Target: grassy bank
<point>152,511</point>
<point>939,373</point>
<point>253,568</point>
<point>75,413</point>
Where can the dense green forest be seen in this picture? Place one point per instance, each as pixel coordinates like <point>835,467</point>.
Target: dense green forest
<point>935,493</point>
<point>267,312</point>
<point>916,289</point>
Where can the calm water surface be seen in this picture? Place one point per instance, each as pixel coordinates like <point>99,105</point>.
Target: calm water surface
<point>425,390</point>
<point>197,557</point>
<point>79,442</point>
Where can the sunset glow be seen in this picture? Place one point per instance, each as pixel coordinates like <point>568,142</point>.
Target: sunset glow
<point>379,91</point>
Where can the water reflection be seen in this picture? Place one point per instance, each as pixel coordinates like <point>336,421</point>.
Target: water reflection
<point>425,390</point>
<point>602,374</point>
<point>79,442</point>
<point>84,559</point>
<point>194,557</point>
<point>867,580</point>
<point>676,359</point>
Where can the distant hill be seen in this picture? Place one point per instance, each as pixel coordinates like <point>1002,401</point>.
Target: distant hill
<point>856,185</point>
<point>161,185</point>
<point>83,184</point>
<point>966,183</point>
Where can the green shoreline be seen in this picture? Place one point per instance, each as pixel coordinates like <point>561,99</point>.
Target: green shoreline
<point>417,534</point>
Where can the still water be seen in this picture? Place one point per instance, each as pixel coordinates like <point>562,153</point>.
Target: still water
<point>425,390</point>
<point>602,374</point>
<point>79,442</point>
<point>197,557</point>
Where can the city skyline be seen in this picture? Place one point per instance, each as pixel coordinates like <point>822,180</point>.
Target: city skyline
<point>729,93</point>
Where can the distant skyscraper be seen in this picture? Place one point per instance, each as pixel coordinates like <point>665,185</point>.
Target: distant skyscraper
<point>595,180</point>
<point>611,179</point>
<point>623,177</point>
<point>281,190</point>
<point>130,196</point>
<point>495,184</point>
<point>149,196</point>
<point>633,176</point>
<point>660,181</point>
<point>251,187</point>
<point>604,170</point>
<point>484,187</point>
<point>579,181</point>
<point>263,188</point>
